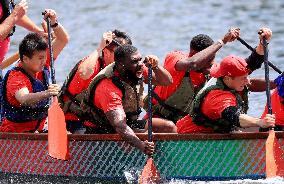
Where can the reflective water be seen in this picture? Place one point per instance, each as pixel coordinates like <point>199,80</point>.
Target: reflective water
<point>158,27</point>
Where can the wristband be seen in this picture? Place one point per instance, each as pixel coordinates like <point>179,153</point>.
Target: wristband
<point>221,42</point>
<point>55,24</point>
<point>155,68</point>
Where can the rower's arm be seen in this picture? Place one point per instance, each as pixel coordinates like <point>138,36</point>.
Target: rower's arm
<point>203,59</point>
<point>161,77</point>
<point>199,60</point>
<point>256,58</point>
<point>259,85</point>
<point>24,97</point>
<point>61,35</point>
<point>86,68</point>
<point>117,119</point>
<point>60,41</point>
<point>233,115</point>
<point>28,24</point>
<point>267,33</point>
<point>7,25</point>
<point>249,121</point>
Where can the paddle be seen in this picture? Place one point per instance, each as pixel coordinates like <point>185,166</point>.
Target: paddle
<point>252,49</point>
<point>274,162</point>
<point>150,174</point>
<point>10,60</point>
<point>57,133</point>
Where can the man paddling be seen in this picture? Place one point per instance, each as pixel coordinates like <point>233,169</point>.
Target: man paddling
<point>222,105</point>
<point>113,100</point>
<point>26,90</point>
<point>189,72</point>
<point>81,75</point>
<point>11,15</point>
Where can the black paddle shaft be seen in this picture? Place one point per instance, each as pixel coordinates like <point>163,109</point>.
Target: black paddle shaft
<point>252,49</point>
<point>52,70</point>
<point>267,81</point>
<point>150,103</point>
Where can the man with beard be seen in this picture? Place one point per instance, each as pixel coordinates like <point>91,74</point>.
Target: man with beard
<point>82,74</point>
<point>113,98</point>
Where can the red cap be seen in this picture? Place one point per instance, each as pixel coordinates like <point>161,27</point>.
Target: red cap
<point>230,66</point>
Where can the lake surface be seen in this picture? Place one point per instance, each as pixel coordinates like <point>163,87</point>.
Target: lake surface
<point>158,27</point>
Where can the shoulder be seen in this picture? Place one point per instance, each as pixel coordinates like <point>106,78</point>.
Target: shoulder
<point>15,75</point>
<point>16,81</point>
<point>107,87</point>
<point>172,58</point>
<point>175,56</point>
<point>220,94</point>
<point>107,96</point>
<point>170,61</point>
<point>216,101</point>
<point>220,98</point>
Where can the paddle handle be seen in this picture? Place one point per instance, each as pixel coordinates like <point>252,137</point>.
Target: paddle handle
<point>7,62</point>
<point>267,81</point>
<point>52,71</point>
<point>252,49</point>
<point>150,103</point>
<point>266,68</point>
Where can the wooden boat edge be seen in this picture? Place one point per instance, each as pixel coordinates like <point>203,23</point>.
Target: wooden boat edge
<point>156,137</point>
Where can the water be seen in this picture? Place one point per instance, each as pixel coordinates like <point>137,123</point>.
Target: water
<point>158,27</point>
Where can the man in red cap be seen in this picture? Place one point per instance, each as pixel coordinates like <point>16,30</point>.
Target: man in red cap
<point>222,106</point>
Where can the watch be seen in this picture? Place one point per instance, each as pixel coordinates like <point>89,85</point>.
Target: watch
<point>55,24</point>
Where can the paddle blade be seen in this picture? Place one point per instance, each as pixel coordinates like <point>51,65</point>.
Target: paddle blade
<point>57,135</point>
<point>274,154</point>
<point>150,174</point>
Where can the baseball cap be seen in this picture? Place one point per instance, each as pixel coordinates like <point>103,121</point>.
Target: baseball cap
<point>230,66</point>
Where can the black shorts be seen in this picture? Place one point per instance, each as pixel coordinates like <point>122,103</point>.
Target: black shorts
<point>138,124</point>
<point>73,125</point>
<point>276,128</point>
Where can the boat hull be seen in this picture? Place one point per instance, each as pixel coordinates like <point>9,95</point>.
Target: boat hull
<point>108,157</point>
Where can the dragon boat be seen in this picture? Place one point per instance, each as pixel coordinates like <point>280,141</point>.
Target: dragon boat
<point>107,157</point>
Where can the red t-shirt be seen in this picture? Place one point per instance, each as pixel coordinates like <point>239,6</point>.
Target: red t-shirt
<point>172,58</point>
<point>214,103</point>
<point>108,96</point>
<point>77,85</point>
<point>277,108</point>
<point>16,81</point>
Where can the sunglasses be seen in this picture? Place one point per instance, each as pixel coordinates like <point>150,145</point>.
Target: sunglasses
<point>116,43</point>
<point>113,43</point>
